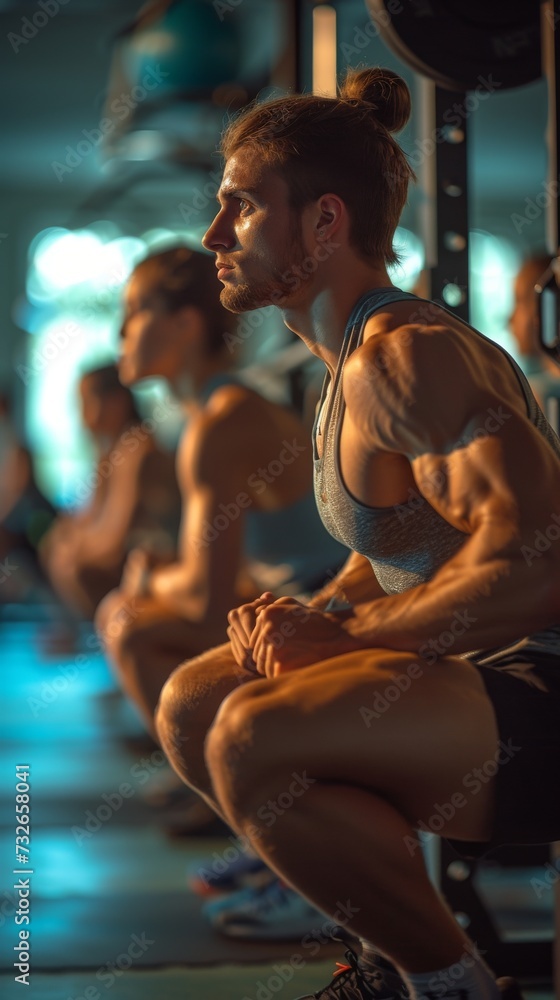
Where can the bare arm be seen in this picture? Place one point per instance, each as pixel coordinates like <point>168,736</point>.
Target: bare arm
<point>497,481</point>
<point>102,539</point>
<point>201,585</point>
<point>69,530</point>
<point>355,583</point>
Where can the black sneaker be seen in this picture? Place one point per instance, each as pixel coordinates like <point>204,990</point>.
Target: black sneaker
<point>351,982</point>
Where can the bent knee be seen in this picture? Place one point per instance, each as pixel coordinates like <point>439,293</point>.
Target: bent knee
<point>107,608</point>
<point>171,721</point>
<point>169,710</point>
<point>193,697</point>
<point>182,716</point>
<point>121,627</point>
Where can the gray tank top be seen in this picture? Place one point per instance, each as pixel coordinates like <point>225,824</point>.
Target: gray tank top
<point>405,544</point>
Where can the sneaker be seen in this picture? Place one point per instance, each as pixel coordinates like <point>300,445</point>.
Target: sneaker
<point>351,982</point>
<point>193,818</point>
<point>247,871</point>
<point>272,913</point>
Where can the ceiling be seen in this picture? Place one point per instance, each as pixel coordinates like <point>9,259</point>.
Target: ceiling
<point>54,87</point>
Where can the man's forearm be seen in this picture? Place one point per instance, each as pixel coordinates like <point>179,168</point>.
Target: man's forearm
<point>354,583</point>
<point>96,547</point>
<point>463,608</point>
<point>169,583</point>
<point>173,586</point>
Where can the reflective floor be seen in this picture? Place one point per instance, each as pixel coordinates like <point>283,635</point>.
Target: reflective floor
<point>109,906</point>
<point>105,876</point>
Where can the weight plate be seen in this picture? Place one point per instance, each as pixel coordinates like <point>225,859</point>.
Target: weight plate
<point>462,45</point>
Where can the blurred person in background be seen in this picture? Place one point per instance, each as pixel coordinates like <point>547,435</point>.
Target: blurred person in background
<point>250,524</point>
<point>244,466</point>
<point>542,372</point>
<point>135,496</point>
<point>25,515</point>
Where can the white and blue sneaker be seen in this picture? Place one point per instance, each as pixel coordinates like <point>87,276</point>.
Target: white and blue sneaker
<point>246,871</point>
<point>271,913</point>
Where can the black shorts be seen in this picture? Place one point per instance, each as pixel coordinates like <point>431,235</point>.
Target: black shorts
<point>523,685</point>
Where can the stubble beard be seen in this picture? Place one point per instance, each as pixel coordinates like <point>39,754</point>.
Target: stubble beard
<point>273,290</point>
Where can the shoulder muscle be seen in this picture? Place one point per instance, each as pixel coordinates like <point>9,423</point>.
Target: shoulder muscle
<point>416,390</point>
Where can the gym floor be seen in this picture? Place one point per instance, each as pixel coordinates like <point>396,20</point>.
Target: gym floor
<point>109,905</point>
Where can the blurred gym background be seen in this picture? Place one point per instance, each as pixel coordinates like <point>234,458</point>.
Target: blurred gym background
<point>110,125</point>
<point>111,114</point>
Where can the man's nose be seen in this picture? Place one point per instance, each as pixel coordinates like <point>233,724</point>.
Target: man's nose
<point>217,236</point>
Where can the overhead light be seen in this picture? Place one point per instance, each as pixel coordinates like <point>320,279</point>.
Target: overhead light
<point>324,50</point>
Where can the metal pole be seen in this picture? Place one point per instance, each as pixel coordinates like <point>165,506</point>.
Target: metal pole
<point>548,290</point>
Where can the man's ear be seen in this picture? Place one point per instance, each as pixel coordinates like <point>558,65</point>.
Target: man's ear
<point>330,212</point>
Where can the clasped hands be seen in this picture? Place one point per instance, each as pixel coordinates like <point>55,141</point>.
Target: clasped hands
<point>272,636</point>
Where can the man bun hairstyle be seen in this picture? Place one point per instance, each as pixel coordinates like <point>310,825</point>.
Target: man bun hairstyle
<point>342,145</point>
<point>181,277</point>
<point>385,91</point>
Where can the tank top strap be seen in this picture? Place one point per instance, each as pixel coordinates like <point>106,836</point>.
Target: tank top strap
<point>366,306</point>
<point>371,302</point>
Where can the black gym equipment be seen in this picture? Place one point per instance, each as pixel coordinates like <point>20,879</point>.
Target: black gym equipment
<point>462,47</point>
<point>549,330</point>
<point>467,50</point>
<point>456,43</point>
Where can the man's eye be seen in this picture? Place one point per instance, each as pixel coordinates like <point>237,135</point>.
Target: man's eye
<point>243,204</point>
